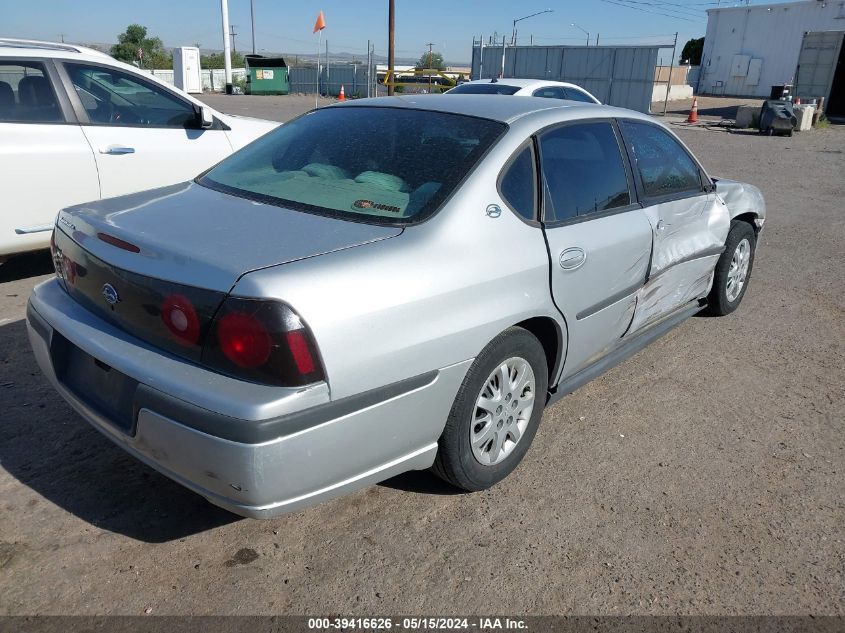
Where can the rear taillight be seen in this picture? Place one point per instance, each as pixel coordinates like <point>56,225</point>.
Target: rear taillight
<point>66,269</point>
<point>262,341</point>
<point>55,254</point>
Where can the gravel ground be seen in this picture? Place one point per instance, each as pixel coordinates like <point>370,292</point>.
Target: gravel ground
<point>703,476</point>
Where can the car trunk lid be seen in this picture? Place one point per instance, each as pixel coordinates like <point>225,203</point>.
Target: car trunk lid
<point>135,260</point>
<point>192,235</point>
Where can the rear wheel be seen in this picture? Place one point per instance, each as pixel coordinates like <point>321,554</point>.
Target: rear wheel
<point>733,270</point>
<point>496,413</point>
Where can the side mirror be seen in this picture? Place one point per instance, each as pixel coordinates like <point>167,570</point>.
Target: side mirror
<point>204,118</point>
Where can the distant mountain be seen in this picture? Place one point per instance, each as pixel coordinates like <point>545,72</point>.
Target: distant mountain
<point>340,56</point>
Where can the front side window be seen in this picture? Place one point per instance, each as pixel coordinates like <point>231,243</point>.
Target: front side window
<point>493,88</point>
<point>114,97</point>
<point>379,164</point>
<point>664,166</point>
<point>582,170</point>
<point>519,183</point>
<point>26,94</point>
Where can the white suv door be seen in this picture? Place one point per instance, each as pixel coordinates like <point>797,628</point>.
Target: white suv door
<point>143,135</point>
<point>45,162</point>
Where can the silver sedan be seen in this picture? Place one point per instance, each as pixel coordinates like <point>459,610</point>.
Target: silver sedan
<point>381,286</point>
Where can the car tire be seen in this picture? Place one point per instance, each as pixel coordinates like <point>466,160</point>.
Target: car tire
<point>489,430</point>
<point>733,270</point>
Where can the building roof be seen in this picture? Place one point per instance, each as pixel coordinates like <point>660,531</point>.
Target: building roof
<point>769,7</point>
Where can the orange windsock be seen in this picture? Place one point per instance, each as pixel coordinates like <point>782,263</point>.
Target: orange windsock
<point>320,24</point>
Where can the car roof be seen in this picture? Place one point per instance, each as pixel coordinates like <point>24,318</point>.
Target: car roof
<point>525,83</point>
<point>38,48</point>
<point>501,108</point>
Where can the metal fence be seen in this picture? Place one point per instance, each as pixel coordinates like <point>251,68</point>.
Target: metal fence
<point>617,75</point>
<point>353,77</point>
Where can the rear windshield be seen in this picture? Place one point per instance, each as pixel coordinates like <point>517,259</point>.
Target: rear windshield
<point>484,89</point>
<point>378,164</point>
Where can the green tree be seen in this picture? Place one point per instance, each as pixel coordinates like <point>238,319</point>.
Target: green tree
<point>215,60</point>
<point>431,60</point>
<point>693,51</point>
<point>134,47</point>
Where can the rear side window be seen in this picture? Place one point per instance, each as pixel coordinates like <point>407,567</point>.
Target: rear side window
<point>573,94</point>
<point>26,94</point>
<point>484,89</point>
<point>664,166</point>
<point>379,164</point>
<point>113,97</point>
<point>550,92</point>
<point>583,171</point>
<point>519,183</point>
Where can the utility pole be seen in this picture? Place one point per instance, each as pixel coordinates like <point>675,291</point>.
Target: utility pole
<point>669,81</point>
<point>430,66</point>
<point>227,51</point>
<point>252,18</point>
<point>391,40</point>
<point>233,34</point>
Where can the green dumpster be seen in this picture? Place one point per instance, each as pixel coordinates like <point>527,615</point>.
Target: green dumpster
<point>266,75</point>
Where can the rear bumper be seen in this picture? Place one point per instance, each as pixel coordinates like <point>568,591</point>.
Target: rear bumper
<point>286,451</point>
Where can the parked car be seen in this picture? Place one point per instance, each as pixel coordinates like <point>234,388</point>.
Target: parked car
<point>383,286</point>
<point>525,88</point>
<point>77,125</point>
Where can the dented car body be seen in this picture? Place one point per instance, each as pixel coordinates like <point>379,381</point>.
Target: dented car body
<point>303,319</point>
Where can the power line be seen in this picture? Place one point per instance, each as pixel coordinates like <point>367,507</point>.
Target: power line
<point>665,15</point>
<point>668,6</point>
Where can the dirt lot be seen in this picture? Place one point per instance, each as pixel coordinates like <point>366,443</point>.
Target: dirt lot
<point>703,476</point>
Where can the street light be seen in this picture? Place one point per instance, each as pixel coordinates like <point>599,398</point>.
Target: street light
<point>585,31</point>
<point>513,37</point>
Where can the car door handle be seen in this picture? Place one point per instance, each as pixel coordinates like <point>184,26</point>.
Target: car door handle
<point>117,150</point>
<point>572,258</point>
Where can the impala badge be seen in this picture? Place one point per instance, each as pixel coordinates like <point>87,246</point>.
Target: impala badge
<point>109,293</point>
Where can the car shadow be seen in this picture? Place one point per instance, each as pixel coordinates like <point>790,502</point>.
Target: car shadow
<point>26,265</point>
<point>50,449</point>
<point>423,482</point>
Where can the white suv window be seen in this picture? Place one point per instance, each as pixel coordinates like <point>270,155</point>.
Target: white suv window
<point>113,97</point>
<point>26,94</point>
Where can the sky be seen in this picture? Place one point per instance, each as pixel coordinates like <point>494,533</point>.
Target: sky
<point>286,26</point>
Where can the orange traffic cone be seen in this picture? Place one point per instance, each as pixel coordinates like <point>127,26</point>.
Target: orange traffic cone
<point>693,117</point>
<point>342,95</point>
<point>693,114</point>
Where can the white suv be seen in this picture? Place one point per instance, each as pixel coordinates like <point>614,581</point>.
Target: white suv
<point>77,125</point>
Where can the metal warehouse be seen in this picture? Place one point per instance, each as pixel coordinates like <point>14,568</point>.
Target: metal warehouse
<point>749,49</point>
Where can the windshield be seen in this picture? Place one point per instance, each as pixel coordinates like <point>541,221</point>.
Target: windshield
<point>379,164</point>
<point>483,89</point>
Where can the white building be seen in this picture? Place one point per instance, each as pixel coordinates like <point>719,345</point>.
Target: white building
<point>750,48</point>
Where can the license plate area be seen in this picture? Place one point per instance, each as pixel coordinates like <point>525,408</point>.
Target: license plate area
<point>103,388</point>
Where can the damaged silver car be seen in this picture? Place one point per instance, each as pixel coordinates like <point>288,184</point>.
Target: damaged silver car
<point>381,286</point>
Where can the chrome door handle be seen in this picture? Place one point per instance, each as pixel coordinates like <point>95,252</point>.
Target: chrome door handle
<point>572,258</point>
<point>661,226</point>
<point>117,150</point>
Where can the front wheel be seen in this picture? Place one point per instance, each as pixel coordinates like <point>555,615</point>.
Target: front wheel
<point>496,413</point>
<point>733,270</point>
